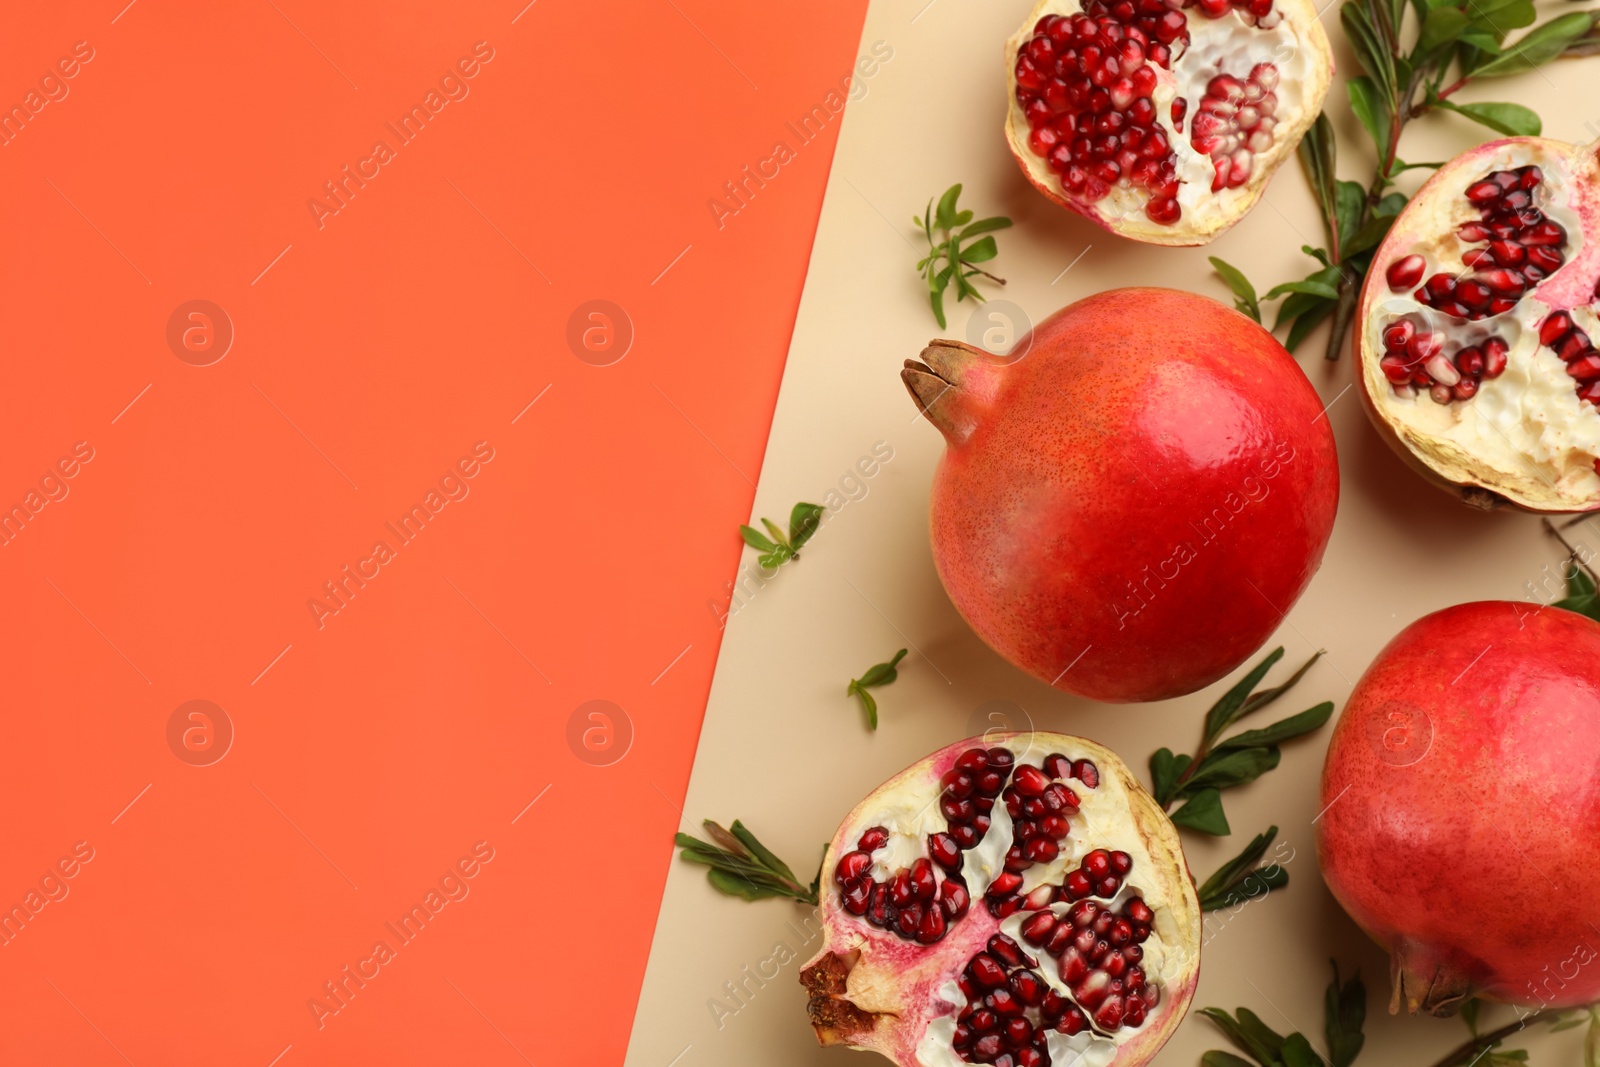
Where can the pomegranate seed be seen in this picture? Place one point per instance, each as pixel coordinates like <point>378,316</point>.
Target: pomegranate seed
<point>1073,1022</point>
<point>964,835</point>
<point>909,919</point>
<point>1573,346</point>
<point>1545,258</point>
<point>957,810</point>
<point>1472,232</point>
<point>986,972</point>
<point>1465,389</point>
<point>873,839</point>
<point>1500,305</point>
<point>974,759</point>
<point>931,928</point>
<point>1494,357</point>
<point>1470,361</point>
<point>1077,885</point>
<point>1397,371</point>
<point>1404,273</point>
<point>1038,928</point>
<point>1585,369</point>
<point>1008,951</point>
<point>1057,766</point>
<point>1121,863</point>
<point>1041,850</point>
<point>1087,773</point>
<point>1030,781</point>
<point>1506,253</point>
<point>1138,912</point>
<point>856,895</point>
<point>1483,192</point>
<point>944,850</point>
<point>986,1047</point>
<point>1424,346</point>
<point>1004,883</point>
<point>953,898</point>
<point>1554,328</point>
<point>852,866</point>
<point>1398,334</point>
<point>1097,864</point>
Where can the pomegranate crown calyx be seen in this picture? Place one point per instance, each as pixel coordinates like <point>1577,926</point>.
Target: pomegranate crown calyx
<point>952,384</point>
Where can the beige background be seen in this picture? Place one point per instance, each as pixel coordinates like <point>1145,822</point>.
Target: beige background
<point>782,747</point>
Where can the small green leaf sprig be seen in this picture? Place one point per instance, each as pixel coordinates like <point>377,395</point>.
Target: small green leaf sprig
<point>1345,1012</point>
<point>1456,43</point>
<point>955,227</point>
<point>1220,763</point>
<point>1223,763</point>
<point>876,675</point>
<point>1581,585</point>
<point>741,866</point>
<point>778,549</point>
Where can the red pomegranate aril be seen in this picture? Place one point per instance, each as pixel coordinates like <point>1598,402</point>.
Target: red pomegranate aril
<point>1573,346</point>
<point>873,839</point>
<point>1483,192</point>
<point>1398,334</point>
<point>1425,346</point>
<point>1585,369</point>
<point>852,866</point>
<point>986,971</point>
<point>909,919</point>
<point>932,926</point>
<point>1470,361</point>
<point>1042,849</point>
<point>954,898</point>
<point>1545,258</point>
<point>1494,357</point>
<point>1030,781</point>
<point>1554,328</point>
<point>856,896</point>
<point>1077,885</point>
<point>1086,772</point>
<point>1008,951</point>
<point>944,850</point>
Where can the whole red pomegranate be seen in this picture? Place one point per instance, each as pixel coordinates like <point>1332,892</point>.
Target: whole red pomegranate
<point>1162,120</point>
<point>1131,502</point>
<point>1461,822</point>
<point>1475,322</point>
<point>1016,900</point>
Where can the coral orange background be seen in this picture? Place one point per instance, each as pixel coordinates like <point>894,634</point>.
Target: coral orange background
<point>377,747</point>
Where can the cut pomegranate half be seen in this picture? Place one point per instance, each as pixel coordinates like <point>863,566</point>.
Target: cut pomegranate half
<point>1017,900</point>
<point>1475,324</point>
<point>1162,120</point>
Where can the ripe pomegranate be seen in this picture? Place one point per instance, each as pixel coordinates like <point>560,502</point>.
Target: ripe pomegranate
<point>1461,801</point>
<point>1016,900</point>
<point>1101,91</point>
<point>1474,327</point>
<point>1127,509</point>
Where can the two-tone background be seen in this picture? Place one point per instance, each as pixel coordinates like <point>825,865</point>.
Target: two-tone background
<point>383,385</point>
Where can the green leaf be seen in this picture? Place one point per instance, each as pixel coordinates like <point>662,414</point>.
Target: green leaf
<point>882,673</point>
<point>1228,709</point>
<point>1225,770</point>
<point>1300,304</point>
<point>1348,200</point>
<point>803,522</point>
<point>1318,155</point>
<point>1165,770</point>
<point>755,540</point>
<point>1294,726</point>
<point>1368,237</point>
<point>1345,1009</point>
<point>776,558</point>
<point>945,214</point>
<point>1223,1059</point>
<point>999,222</point>
<point>1312,286</point>
<point>745,868</point>
<point>777,534</point>
<point>762,854</point>
<point>1513,120</point>
<point>1248,1033</point>
<point>980,251</point>
<point>869,704</point>
<point>1441,28</point>
<point>1375,56</point>
<point>1244,294</point>
<point>1469,1013</point>
<point>1230,873</point>
<point>1305,322</point>
<point>1296,1052</point>
<point>1539,45</point>
<point>1497,17</point>
<point>1204,813</point>
<point>1371,108</point>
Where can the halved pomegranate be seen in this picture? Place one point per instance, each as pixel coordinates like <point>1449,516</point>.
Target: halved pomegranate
<point>1475,322</point>
<point>1162,120</point>
<point>1016,900</point>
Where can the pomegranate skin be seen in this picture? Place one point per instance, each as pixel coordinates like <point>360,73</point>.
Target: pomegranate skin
<point>1128,510</point>
<point>1462,807</point>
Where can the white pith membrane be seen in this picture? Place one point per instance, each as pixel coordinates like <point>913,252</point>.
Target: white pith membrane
<point>1526,436</point>
<point>903,998</point>
<point>1291,39</point>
